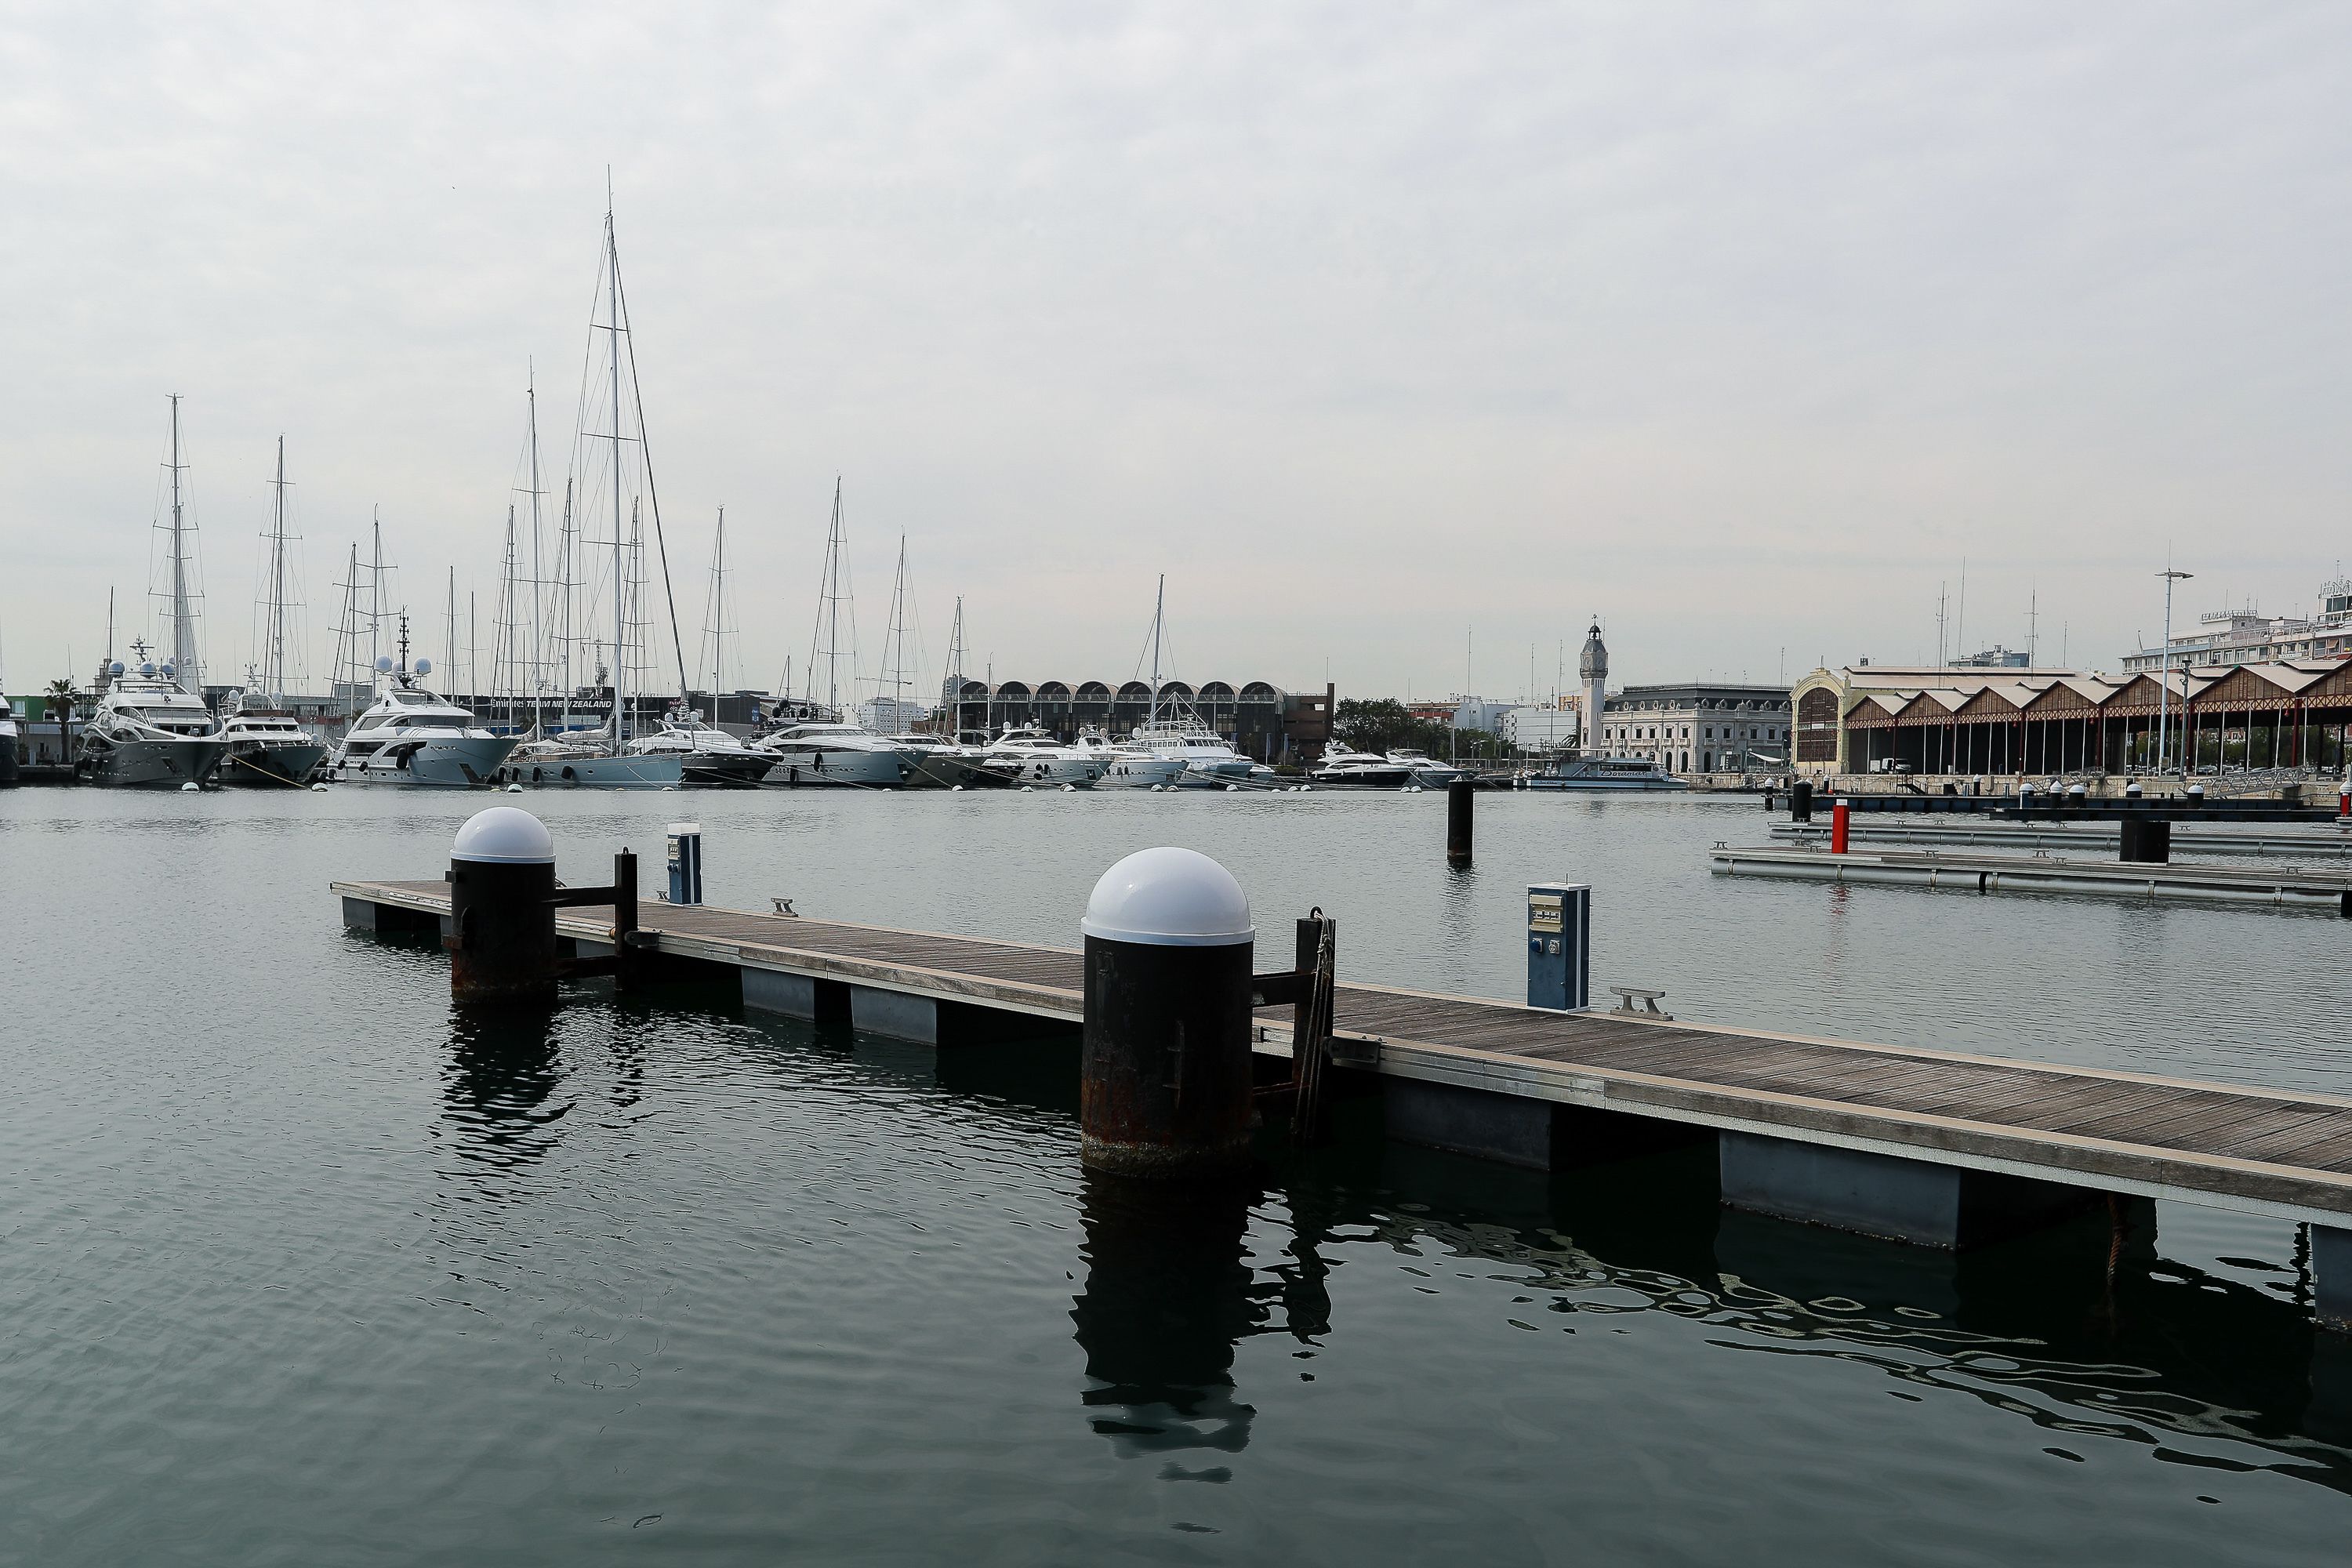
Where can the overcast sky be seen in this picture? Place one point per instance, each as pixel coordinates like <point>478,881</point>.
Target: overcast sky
<point>1371,325</point>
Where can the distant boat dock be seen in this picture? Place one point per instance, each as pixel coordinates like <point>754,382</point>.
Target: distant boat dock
<point>1932,1147</point>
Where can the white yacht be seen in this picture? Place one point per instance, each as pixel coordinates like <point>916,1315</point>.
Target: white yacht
<point>815,753</point>
<point>8,765</point>
<point>268,748</point>
<point>586,759</point>
<point>1035,758</point>
<point>1344,768</point>
<point>1130,766</point>
<point>148,731</point>
<point>411,736</point>
<point>935,763</point>
<point>1426,770</point>
<point>706,754</point>
<point>1209,762</point>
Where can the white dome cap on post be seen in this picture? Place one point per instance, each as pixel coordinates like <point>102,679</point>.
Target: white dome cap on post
<point>1168,898</point>
<point>504,835</point>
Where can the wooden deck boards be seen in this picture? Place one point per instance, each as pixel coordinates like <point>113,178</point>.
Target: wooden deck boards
<point>2272,1151</point>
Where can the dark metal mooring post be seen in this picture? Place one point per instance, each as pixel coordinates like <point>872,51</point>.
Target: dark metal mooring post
<point>1800,800</point>
<point>1458,797</point>
<point>1166,1081</point>
<point>1310,1024</point>
<point>626,959</point>
<point>502,938</point>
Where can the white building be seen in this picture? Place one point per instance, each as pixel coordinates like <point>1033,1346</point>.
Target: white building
<point>1541,730</point>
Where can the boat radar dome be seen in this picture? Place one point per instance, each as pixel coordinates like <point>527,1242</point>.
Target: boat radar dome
<point>169,668</point>
<point>1168,898</point>
<point>423,667</point>
<point>504,835</point>
<point>384,664</point>
<point>148,670</point>
<point>115,669</point>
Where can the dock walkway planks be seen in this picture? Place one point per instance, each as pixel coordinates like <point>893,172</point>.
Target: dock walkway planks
<point>2258,1151</point>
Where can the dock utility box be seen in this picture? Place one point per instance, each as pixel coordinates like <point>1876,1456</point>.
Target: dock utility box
<point>1559,946</point>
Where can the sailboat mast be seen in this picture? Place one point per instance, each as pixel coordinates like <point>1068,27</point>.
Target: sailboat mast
<point>375,594</point>
<point>537,569</point>
<point>952,683</point>
<point>273,667</point>
<point>717,617</point>
<point>563,553</point>
<point>449,634</point>
<point>1159,617</point>
<point>183,629</point>
<point>613,260</point>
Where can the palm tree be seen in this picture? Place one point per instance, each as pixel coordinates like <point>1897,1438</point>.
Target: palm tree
<point>61,709</point>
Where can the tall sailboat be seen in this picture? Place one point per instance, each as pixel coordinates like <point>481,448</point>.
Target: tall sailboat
<point>705,753</point>
<point>607,759</point>
<point>267,746</point>
<point>1175,732</point>
<point>151,729</point>
<point>824,750</point>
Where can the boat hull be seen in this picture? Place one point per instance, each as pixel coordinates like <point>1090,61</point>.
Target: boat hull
<point>948,770</point>
<point>472,763</point>
<point>150,764</point>
<point>725,770</point>
<point>1141,772</point>
<point>594,773</point>
<point>1610,786</point>
<point>838,770</point>
<point>271,767</point>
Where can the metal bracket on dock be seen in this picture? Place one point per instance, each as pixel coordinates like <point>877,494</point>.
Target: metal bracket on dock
<point>1629,994</point>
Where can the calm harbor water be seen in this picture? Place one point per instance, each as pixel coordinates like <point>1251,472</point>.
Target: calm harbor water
<point>303,1268</point>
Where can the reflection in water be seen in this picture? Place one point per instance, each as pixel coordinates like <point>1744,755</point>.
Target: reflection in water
<point>1166,1297</point>
<point>2202,1370</point>
<point>502,1072</point>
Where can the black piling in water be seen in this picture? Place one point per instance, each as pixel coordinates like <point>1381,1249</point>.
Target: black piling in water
<point>1166,1085</point>
<point>1459,795</point>
<point>1800,800</point>
<point>502,938</point>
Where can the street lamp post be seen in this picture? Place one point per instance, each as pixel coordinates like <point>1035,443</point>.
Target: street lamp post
<point>2164,674</point>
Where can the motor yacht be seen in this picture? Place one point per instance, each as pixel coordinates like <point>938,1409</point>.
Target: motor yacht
<point>1344,768</point>
<point>1426,770</point>
<point>586,759</point>
<point>1209,761</point>
<point>934,762</point>
<point>149,731</point>
<point>1039,760</point>
<point>705,753</point>
<point>8,761</point>
<point>268,748</point>
<point>816,753</point>
<point>413,736</point>
<point>1130,766</point>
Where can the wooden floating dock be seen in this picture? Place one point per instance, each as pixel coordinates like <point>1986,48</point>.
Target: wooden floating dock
<point>2322,891</point>
<point>1933,1147</point>
<point>2330,843</point>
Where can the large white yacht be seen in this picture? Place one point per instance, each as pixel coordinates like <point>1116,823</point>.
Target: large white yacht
<point>1130,766</point>
<point>1343,768</point>
<point>1425,769</point>
<point>705,753</point>
<point>267,747</point>
<point>411,736</point>
<point>1039,761</point>
<point>933,762</point>
<point>1209,761</point>
<point>816,753</point>
<point>148,731</point>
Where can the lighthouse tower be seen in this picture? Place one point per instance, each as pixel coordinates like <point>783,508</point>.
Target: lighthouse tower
<point>1592,664</point>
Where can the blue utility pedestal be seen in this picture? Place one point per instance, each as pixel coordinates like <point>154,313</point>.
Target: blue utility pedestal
<point>1559,946</point>
<point>685,862</point>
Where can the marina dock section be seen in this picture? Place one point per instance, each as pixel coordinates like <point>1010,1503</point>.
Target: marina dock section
<point>1935,1148</point>
<point>2318,890</point>
<point>2319,843</point>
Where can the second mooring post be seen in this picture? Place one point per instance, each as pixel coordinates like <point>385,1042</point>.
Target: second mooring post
<point>1165,1087</point>
<point>1838,815</point>
<point>502,938</point>
<point>1459,795</point>
<point>1800,800</point>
